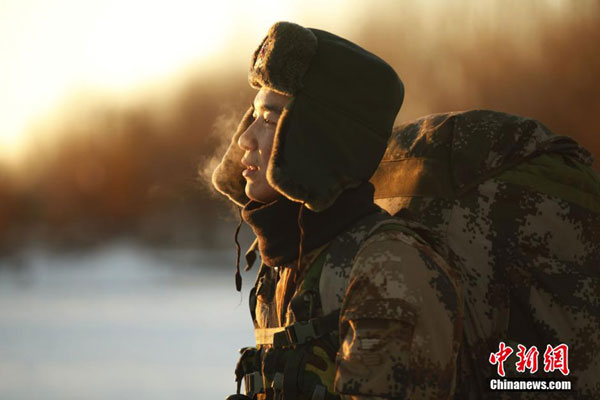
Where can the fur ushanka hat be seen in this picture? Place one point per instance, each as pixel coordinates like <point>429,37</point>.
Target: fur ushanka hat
<point>334,131</point>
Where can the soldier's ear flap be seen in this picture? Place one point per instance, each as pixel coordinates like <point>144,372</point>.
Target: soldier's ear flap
<point>227,178</point>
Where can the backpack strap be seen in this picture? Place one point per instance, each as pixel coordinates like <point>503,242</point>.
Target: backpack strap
<point>396,225</point>
<point>342,252</point>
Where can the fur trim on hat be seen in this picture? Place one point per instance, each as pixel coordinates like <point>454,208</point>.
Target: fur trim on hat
<point>282,59</point>
<point>227,178</point>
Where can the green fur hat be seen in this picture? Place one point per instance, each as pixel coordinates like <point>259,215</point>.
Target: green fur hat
<point>334,132</point>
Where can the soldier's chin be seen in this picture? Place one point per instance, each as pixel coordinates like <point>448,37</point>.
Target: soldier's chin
<point>260,194</point>
<point>253,192</point>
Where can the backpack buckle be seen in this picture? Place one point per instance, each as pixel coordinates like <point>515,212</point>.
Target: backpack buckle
<point>253,383</point>
<point>301,332</point>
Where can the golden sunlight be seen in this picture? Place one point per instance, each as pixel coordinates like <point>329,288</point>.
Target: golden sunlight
<point>50,49</point>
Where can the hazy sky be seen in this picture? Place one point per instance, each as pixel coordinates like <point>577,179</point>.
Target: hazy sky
<point>52,48</point>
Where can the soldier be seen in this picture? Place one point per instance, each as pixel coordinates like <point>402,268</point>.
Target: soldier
<point>348,302</point>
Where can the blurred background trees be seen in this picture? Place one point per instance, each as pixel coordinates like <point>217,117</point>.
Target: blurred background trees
<point>102,168</point>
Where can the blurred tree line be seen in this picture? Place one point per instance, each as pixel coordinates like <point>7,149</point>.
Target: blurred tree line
<point>135,170</point>
<point>139,170</point>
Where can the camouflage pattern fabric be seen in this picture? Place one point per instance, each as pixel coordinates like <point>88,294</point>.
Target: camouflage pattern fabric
<point>400,320</point>
<point>516,213</point>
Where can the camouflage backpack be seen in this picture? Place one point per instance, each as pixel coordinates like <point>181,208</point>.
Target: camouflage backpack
<point>515,210</point>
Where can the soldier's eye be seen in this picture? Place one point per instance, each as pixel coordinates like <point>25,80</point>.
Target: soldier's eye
<point>270,119</point>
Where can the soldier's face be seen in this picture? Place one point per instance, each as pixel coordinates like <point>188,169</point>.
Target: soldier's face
<point>257,142</point>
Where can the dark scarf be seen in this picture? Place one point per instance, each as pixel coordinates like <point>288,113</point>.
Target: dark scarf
<point>276,224</point>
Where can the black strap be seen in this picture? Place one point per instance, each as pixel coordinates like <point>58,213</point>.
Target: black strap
<point>294,364</point>
<point>238,397</point>
<point>304,331</point>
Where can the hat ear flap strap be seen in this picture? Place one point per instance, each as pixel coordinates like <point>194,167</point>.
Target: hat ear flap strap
<point>238,275</point>
<point>301,241</point>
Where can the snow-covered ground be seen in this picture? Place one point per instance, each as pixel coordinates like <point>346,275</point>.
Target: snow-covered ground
<point>121,322</point>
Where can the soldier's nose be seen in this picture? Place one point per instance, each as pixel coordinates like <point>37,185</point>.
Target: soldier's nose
<point>247,140</point>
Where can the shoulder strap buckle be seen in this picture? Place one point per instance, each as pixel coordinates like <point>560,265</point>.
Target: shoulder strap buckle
<point>301,332</point>
<point>304,331</point>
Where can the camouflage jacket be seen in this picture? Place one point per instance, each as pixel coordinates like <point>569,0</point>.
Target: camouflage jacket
<point>400,314</point>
